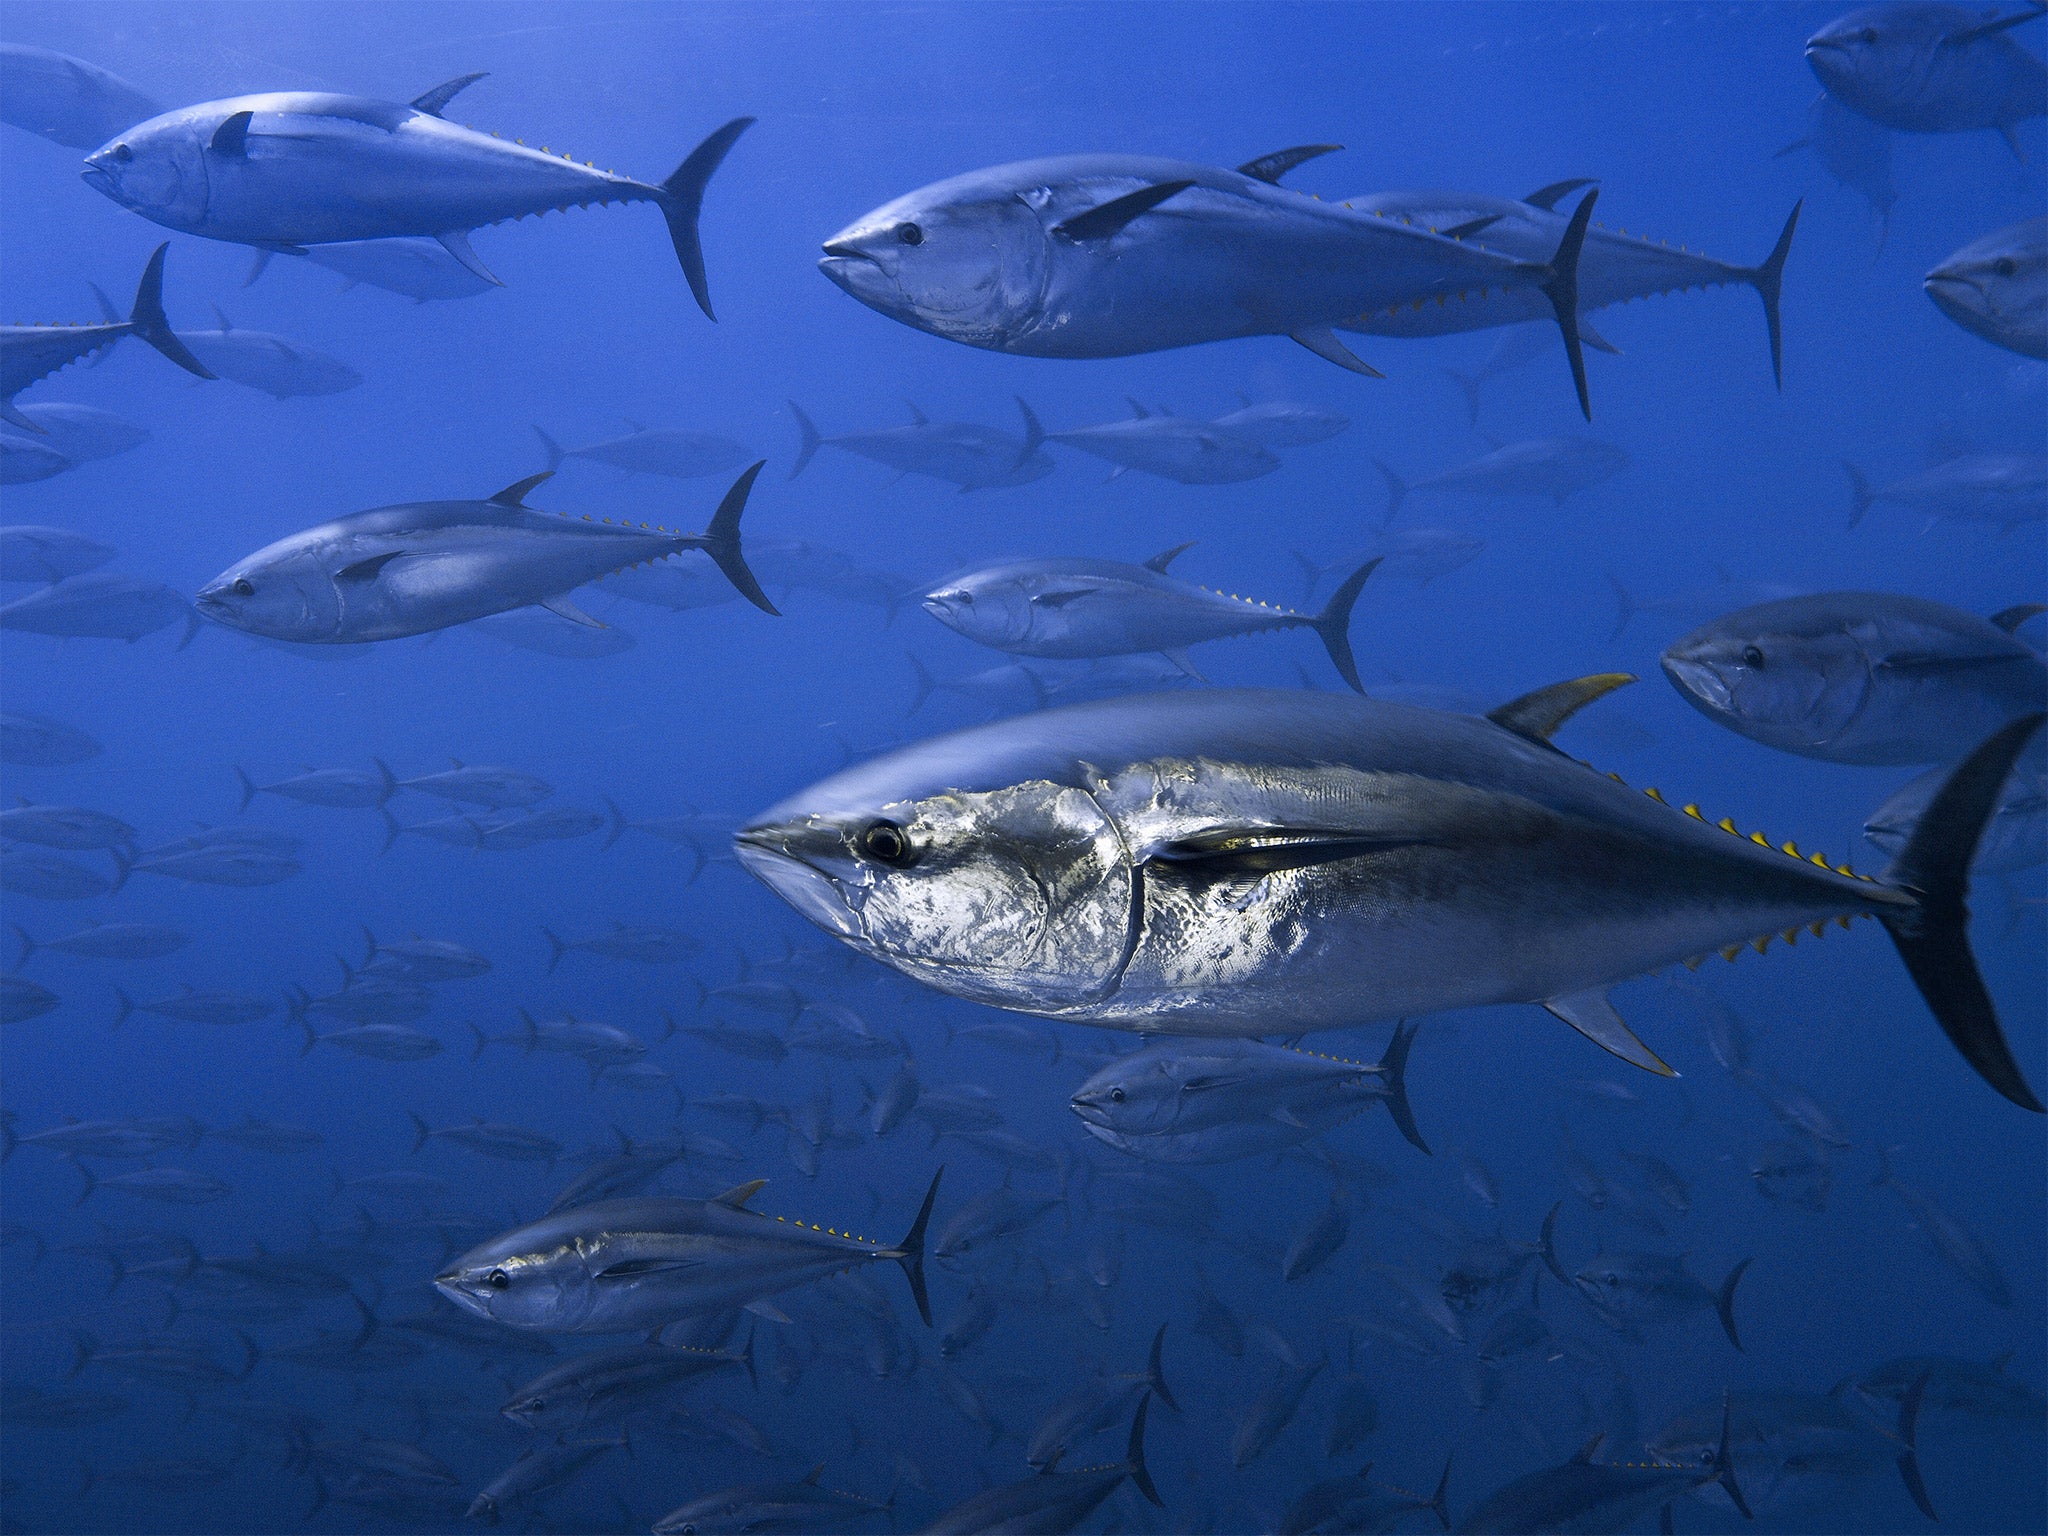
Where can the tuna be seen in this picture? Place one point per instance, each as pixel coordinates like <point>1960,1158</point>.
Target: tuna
<point>1236,862</point>
<point>1112,255</point>
<point>289,170</point>
<point>423,566</point>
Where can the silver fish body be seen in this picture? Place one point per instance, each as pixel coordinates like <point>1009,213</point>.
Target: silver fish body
<point>1235,862</point>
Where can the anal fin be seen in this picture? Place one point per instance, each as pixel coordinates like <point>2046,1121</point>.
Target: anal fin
<point>1593,1016</point>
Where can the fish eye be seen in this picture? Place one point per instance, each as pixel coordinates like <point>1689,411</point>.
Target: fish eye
<point>1867,35</point>
<point>498,1280</point>
<point>886,843</point>
<point>123,153</point>
<point>2005,266</point>
<point>538,1405</point>
<point>244,587</point>
<point>1116,1095</point>
<point>1752,657</point>
<point>909,234</point>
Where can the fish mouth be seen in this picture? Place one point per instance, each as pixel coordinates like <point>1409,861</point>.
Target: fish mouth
<point>213,604</point>
<point>1698,682</point>
<point>450,1285</point>
<point>775,855</point>
<point>1953,292</point>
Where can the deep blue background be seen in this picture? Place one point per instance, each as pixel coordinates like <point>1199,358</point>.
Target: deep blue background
<point>1677,109</point>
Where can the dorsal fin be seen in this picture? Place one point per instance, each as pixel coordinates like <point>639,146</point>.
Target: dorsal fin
<point>1270,168</point>
<point>738,1196</point>
<point>1165,557</point>
<point>431,102</point>
<point>1138,410</point>
<point>1546,197</point>
<point>1106,219</point>
<point>1536,716</point>
<point>232,136</point>
<point>226,324</point>
<point>514,495</point>
<point>1586,1451</point>
<point>815,1475</point>
<point>2010,619</point>
<point>917,417</point>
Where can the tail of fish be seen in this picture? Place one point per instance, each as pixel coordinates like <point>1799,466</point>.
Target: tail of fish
<point>476,1052</point>
<point>248,788</point>
<point>1333,624</point>
<point>1034,433</point>
<point>124,866</point>
<point>1155,1374</point>
<point>811,443</point>
<point>126,1007</point>
<point>619,827</point>
<point>1468,383</point>
<point>1933,936</point>
<point>1724,1464</point>
<point>1134,1454</point>
<point>256,267</point>
<point>922,690</point>
<point>910,1252</point>
<point>1625,606</point>
<point>682,200</point>
<point>420,1130</point>
<point>556,948</point>
<point>1397,492</point>
<point>551,448</point>
<point>1860,493</point>
<point>1394,1084</point>
<point>147,318</point>
<point>721,541</point>
<point>1767,280</point>
<point>1561,286</point>
<point>28,945</point>
<point>1546,1245</point>
<point>1909,1443</point>
<point>1439,1502</point>
<point>1724,1302</point>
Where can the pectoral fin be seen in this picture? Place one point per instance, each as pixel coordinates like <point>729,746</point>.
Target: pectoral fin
<point>767,1311</point>
<point>563,608</point>
<point>231,138</point>
<point>367,570</point>
<point>1593,1016</point>
<point>633,1269</point>
<point>1223,853</point>
<point>1109,218</point>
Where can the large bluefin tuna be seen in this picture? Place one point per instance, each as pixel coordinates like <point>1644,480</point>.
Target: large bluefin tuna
<point>1858,677</point>
<point>1077,609</point>
<point>1931,68</point>
<point>66,100</point>
<point>623,1266</point>
<point>288,170</point>
<point>32,352</point>
<point>1243,862</point>
<point>1111,255</point>
<point>427,565</point>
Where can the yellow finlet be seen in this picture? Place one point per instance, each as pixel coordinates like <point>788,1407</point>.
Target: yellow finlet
<point>1727,824</point>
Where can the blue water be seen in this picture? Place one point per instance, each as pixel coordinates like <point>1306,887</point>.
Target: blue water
<point>1677,109</point>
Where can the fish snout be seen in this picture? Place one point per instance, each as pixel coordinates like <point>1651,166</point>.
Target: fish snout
<point>790,858</point>
<point>1698,681</point>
